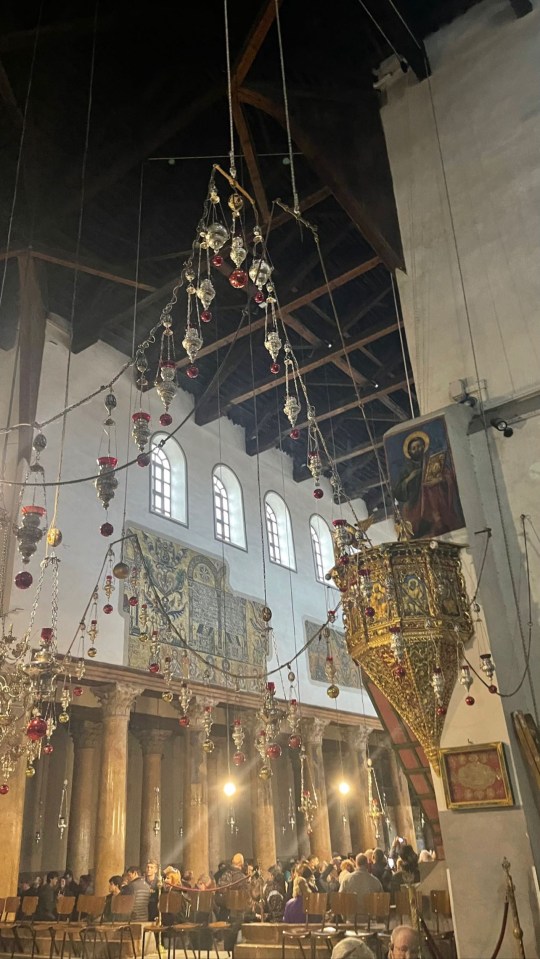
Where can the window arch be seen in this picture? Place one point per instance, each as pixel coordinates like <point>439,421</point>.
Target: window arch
<point>229,525</point>
<point>321,543</point>
<point>168,479</point>
<point>279,531</point>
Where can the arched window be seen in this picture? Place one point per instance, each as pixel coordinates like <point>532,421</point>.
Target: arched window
<point>321,542</point>
<point>229,525</point>
<point>279,531</point>
<point>168,480</point>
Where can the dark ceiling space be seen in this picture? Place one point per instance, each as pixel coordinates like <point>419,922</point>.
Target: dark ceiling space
<point>159,92</point>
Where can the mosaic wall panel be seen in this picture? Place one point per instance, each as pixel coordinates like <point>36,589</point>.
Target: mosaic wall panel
<point>225,627</point>
<point>347,672</point>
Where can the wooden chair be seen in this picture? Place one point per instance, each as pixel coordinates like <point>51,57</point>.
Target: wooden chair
<point>315,905</point>
<point>439,900</point>
<point>170,903</point>
<point>89,909</point>
<point>64,911</point>
<point>118,930</point>
<point>185,930</point>
<point>10,909</point>
<point>24,929</point>
<point>210,932</point>
<point>402,905</point>
<point>344,905</point>
<point>376,908</point>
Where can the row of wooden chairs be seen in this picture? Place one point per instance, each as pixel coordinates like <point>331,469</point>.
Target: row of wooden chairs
<point>68,933</point>
<point>349,917</point>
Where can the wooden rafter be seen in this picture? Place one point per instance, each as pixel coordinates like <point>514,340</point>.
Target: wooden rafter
<point>254,42</point>
<point>268,442</point>
<point>250,157</point>
<point>288,319</point>
<point>321,359</point>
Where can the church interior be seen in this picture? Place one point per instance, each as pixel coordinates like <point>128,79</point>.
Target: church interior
<point>269,525</point>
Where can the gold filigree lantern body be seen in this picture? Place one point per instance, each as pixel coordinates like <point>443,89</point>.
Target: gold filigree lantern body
<point>406,616</point>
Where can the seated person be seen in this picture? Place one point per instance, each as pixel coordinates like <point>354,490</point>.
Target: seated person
<point>115,886</point>
<point>294,909</point>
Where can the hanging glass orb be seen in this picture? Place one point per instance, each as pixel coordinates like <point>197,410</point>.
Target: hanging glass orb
<point>167,696</point>
<point>192,371</point>
<point>318,492</point>
<point>265,773</point>
<point>208,746</point>
<point>39,443</point>
<point>92,652</point>
<point>183,721</point>
<point>4,789</point>
<point>266,614</point>
<point>333,691</point>
<point>24,579</point>
<point>54,537</point>
<point>36,729</point>
<point>78,690</point>
<point>235,203</point>
<point>30,771</point>
<point>121,570</point>
<point>106,529</point>
<point>273,751</point>
<point>153,668</point>
<point>295,741</point>
<point>260,272</point>
<point>64,717</point>
<point>238,279</point>
<point>239,759</point>
<point>165,419</point>
<point>217,260</point>
<point>107,609</point>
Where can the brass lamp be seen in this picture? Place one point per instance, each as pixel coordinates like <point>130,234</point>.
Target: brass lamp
<point>407,619</point>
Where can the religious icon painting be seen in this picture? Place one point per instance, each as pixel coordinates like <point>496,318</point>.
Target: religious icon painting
<point>476,776</point>
<point>423,479</point>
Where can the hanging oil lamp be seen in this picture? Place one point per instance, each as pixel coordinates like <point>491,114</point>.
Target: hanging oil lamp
<point>207,721</point>
<point>314,460</point>
<point>62,812</point>
<point>238,736</point>
<point>308,797</point>
<point>166,376</point>
<point>291,406</point>
<point>93,629</point>
<point>106,482</point>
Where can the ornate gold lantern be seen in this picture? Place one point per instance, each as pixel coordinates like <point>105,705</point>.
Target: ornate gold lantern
<point>407,619</point>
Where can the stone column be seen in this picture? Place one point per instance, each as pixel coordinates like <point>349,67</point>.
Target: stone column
<point>82,810</point>
<point>319,840</point>
<point>362,829</point>
<point>116,701</point>
<point>12,814</point>
<point>262,803</point>
<point>402,799</point>
<point>195,824</point>
<point>152,742</point>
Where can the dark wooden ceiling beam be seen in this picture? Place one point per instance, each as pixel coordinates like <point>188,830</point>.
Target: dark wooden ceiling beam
<point>252,163</point>
<point>361,184</point>
<point>272,439</point>
<point>288,319</point>
<point>321,358</point>
<point>254,42</point>
<point>313,199</point>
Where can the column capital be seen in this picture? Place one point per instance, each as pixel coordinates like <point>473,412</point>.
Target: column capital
<point>117,699</point>
<point>358,737</point>
<point>152,740</point>
<point>85,733</point>
<point>313,730</point>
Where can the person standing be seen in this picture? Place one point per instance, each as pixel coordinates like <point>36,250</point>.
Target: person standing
<point>360,882</point>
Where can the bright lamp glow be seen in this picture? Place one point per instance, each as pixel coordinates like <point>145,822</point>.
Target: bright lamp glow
<point>229,789</point>
<point>344,788</point>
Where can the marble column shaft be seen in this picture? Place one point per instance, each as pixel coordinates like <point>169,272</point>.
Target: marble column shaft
<point>116,701</point>
<point>195,823</point>
<point>262,804</point>
<point>152,743</point>
<point>12,811</point>
<point>82,811</point>
<point>320,841</point>
<point>362,828</point>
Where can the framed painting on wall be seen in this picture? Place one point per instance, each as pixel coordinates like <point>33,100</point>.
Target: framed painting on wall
<point>476,777</point>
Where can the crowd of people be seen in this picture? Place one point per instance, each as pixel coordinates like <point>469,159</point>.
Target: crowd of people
<point>278,895</point>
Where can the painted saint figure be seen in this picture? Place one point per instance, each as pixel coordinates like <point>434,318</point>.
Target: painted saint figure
<point>426,489</point>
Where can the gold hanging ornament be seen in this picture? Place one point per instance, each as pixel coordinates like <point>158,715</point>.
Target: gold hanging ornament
<point>407,620</point>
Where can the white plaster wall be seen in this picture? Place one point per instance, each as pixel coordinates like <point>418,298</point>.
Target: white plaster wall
<point>486,94</point>
<point>293,596</point>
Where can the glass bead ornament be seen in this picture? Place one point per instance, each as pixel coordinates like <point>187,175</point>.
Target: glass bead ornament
<point>29,533</point>
<point>106,529</point>
<point>165,419</point>
<point>192,342</point>
<point>238,254</point>
<point>206,316</point>
<point>4,789</point>
<point>48,749</point>
<point>260,272</point>
<point>333,691</point>
<point>235,204</point>
<point>217,261</point>
<point>91,652</point>
<point>295,434</point>
<point>166,380</point>
<point>143,459</point>
<point>318,493</point>
<point>273,751</point>
<point>106,482</point>
<point>192,371</point>
<point>239,758</point>
<point>183,721</point>
<point>216,237</point>
<point>275,368</point>
<point>141,429</point>
<point>206,292</point>
<point>238,279</point>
